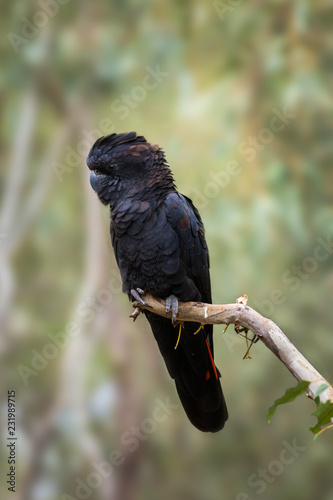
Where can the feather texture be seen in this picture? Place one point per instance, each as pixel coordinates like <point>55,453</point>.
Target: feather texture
<point>159,242</point>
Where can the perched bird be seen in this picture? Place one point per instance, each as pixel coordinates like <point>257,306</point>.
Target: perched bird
<point>159,243</point>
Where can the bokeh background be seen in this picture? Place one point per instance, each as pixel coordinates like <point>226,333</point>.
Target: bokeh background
<point>204,80</point>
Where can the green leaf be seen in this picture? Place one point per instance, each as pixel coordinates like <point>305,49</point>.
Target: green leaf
<point>324,413</point>
<point>290,395</point>
<point>320,389</point>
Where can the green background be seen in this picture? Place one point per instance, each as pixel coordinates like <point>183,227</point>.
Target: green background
<point>226,69</point>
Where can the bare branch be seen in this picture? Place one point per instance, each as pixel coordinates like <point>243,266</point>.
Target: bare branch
<point>267,331</point>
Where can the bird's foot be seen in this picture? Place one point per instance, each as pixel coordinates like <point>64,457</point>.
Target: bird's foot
<point>137,295</point>
<point>172,304</point>
<point>135,313</point>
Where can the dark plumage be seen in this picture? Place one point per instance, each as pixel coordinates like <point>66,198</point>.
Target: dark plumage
<point>159,243</point>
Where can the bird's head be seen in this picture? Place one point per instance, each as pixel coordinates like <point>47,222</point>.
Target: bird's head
<point>126,163</point>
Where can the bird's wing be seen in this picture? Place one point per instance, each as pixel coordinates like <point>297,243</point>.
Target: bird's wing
<point>188,353</point>
<point>186,222</point>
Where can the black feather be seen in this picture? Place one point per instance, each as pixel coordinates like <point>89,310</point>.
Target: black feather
<point>159,242</point>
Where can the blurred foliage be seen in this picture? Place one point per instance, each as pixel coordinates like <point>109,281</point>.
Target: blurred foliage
<point>226,76</point>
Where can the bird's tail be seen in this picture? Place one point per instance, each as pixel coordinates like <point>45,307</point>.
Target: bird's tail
<point>189,359</point>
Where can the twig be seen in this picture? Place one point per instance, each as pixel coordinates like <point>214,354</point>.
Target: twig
<point>266,330</point>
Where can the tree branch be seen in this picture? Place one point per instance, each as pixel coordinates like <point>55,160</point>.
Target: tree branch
<point>266,330</point>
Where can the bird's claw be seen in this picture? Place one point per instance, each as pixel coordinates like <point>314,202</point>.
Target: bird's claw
<point>172,304</point>
<point>136,294</point>
<point>135,313</point>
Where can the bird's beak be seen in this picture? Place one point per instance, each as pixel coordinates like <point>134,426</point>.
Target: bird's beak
<point>95,179</point>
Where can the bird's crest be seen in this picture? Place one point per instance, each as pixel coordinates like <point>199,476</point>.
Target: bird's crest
<point>106,143</point>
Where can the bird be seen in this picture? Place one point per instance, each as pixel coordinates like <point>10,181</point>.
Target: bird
<point>158,239</point>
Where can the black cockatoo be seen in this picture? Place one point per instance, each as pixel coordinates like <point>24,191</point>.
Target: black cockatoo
<point>159,243</point>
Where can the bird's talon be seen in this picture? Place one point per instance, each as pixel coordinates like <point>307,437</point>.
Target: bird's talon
<point>172,304</point>
<point>136,294</point>
<point>135,313</point>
